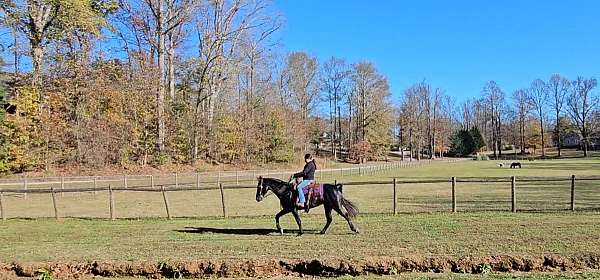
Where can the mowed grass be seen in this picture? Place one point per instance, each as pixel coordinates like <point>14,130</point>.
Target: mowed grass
<point>438,234</point>
<point>412,197</point>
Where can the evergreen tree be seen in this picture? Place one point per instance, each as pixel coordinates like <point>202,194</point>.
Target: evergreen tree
<point>462,143</point>
<point>478,140</point>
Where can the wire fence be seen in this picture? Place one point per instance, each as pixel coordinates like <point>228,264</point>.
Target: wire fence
<point>239,177</point>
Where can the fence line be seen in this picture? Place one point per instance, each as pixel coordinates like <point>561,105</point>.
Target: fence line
<point>165,188</point>
<point>236,176</point>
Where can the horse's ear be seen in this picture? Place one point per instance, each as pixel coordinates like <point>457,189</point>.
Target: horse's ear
<point>259,178</point>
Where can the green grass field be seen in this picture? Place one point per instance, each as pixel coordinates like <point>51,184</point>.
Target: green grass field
<point>462,234</point>
<point>484,225</point>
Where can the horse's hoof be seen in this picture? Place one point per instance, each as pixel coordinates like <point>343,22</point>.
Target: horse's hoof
<point>322,233</point>
<point>281,232</point>
<point>300,233</point>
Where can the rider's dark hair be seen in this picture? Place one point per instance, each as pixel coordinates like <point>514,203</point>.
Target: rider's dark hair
<point>307,156</point>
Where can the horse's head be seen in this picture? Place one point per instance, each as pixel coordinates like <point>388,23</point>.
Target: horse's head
<point>261,189</point>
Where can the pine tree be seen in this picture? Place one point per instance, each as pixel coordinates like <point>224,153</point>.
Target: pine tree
<point>478,140</point>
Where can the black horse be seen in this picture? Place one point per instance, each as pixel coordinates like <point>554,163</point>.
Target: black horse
<point>333,199</point>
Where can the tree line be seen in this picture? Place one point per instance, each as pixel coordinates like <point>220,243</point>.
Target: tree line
<point>101,82</point>
<point>536,117</point>
<point>174,81</point>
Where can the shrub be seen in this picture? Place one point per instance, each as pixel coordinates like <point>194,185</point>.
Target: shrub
<point>479,157</point>
<point>360,151</point>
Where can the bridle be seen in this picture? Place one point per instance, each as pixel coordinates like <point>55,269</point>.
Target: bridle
<point>269,190</point>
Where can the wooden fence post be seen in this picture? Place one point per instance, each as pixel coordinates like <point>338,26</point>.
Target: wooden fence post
<point>572,192</point>
<point>111,203</point>
<point>95,185</point>
<point>176,180</point>
<point>513,183</point>
<point>223,201</point>
<point>152,181</point>
<point>62,185</point>
<point>54,203</point>
<point>453,194</point>
<point>395,198</point>
<point>25,187</point>
<point>2,213</point>
<point>198,180</point>
<point>125,180</point>
<point>162,188</point>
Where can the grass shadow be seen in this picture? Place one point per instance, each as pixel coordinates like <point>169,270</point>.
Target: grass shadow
<point>238,231</point>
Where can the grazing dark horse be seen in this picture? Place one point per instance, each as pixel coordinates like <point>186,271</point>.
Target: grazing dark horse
<point>515,165</point>
<point>333,199</point>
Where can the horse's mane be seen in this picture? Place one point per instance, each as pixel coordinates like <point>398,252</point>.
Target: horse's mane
<point>279,181</point>
<point>280,184</point>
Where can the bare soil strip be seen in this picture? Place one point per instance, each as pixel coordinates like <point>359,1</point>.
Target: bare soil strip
<point>322,268</point>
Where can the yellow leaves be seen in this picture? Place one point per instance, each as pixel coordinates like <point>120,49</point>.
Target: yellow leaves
<point>231,137</point>
<point>81,15</point>
<point>22,130</point>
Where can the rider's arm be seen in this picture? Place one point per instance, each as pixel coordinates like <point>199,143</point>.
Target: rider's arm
<point>303,173</point>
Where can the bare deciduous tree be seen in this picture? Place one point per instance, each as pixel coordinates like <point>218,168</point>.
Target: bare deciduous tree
<point>522,110</point>
<point>582,104</point>
<point>537,95</point>
<point>335,82</point>
<point>559,89</point>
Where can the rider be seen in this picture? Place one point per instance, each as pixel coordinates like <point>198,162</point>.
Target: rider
<point>308,176</point>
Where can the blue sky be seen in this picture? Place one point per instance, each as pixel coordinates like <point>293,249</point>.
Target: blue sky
<point>455,45</point>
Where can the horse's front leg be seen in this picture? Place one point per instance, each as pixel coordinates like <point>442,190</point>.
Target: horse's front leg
<point>298,221</point>
<point>281,213</point>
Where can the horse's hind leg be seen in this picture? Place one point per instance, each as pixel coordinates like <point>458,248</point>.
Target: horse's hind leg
<point>340,210</point>
<point>329,219</point>
<point>298,221</point>
<point>281,213</point>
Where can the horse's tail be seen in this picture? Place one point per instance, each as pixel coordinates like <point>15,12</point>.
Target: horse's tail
<point>350,207</point>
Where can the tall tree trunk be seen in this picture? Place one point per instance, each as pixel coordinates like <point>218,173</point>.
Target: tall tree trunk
<point>499,136</point>
<point>350,140</point>
<point>400,145</point>
<point>171,61</point>
<point>161,84</point>
<point>584,135</point>
<point>340,142</point>
<point>558,133</point>
<point>410,135</point>
<point>15,49</point>
<point>543,143</point>
<point>335,123</point>
<point>332,123</point>
<point>37,57</point>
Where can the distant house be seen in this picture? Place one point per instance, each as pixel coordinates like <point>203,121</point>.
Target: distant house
<point>572,140</point>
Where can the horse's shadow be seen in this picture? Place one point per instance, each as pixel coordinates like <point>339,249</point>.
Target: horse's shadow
<point>238,231</point>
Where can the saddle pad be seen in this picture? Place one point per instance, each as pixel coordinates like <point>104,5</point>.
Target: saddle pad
<point>316,189</point>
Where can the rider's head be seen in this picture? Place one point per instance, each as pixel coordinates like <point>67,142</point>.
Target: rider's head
<point>308,157</point>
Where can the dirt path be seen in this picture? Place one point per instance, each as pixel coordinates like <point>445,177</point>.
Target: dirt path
<point>325,268</point>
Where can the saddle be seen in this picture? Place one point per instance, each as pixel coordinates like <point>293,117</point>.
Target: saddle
<point>313,193</point>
